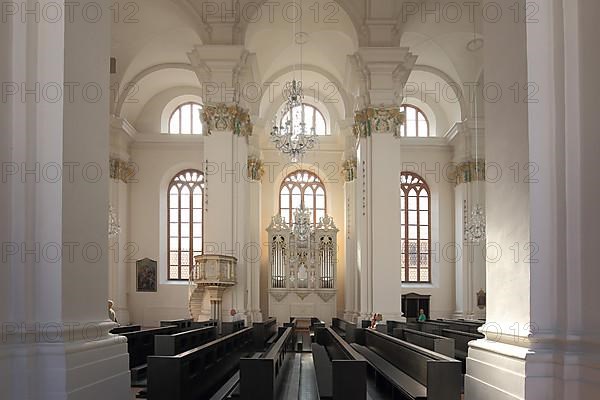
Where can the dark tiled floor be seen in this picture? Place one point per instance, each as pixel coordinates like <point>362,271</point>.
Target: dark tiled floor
<point>308,380</point>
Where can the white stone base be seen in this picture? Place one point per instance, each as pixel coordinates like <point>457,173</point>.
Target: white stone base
<point>84,370</point>
<point>503,371</point>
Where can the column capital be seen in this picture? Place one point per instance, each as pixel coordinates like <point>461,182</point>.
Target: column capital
<point>222,117</point>
<point>382,119</point>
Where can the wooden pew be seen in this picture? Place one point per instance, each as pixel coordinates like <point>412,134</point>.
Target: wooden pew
<point>230,327</point>
<point>465,326</point>
<point>410,371</point>
<point>203,324</point>
<point>181,324</point>
<point>197,373</point>
<point>140,344</point>
<point>341,372</point>
<point>170,345</point>
<point>461,343</point>
<point>119,330</point>
<point>262,378</point>
<point>265,333</point>
<point>343,328</point>
<point>434,327</point>
<point>439,344</point>
<point>316,323</point>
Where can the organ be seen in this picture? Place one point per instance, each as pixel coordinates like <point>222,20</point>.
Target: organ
<point>303,262</point>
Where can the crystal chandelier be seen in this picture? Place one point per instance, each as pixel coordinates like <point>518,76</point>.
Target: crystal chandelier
<point>113,222</point>
<point>289,133</point>
<point>475,226</point>
<point>474,229</point>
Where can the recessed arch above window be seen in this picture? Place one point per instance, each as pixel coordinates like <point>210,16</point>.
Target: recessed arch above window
<point>186,119</point>
<point>302,188</point>
<point>416,124</point>
<point>310,115</point>
<point>415,232</point>
<point>185,222</point>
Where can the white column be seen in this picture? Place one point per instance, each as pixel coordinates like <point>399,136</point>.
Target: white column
<point>254,250</point>
<point>364,228</point>
<point>55,342</point>
<point>350,309</point>
<point>542,293</point>
<point>385,178</point>
<point>385,73</point>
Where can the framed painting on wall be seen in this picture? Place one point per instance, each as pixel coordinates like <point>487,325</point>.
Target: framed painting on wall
<point>145,272</point>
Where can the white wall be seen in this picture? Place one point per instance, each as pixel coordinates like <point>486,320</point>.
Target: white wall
<point>431,161</point>
<point>157,163</point>
<point>328,166</point>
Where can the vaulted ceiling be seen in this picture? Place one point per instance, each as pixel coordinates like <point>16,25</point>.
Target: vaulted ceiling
<point>152,45</point>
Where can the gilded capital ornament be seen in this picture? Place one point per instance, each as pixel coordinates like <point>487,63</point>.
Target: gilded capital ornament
<point>256,169</point>
<point>378,120</point>
<point>349,170</point>
<point>470,171</point>
<point>223,117</point>
<point>121,170</point>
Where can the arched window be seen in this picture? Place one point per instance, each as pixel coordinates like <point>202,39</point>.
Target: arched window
<point>415,221</point>
<point>185,222</point>
<point>416,124</point>
<point>185,120</point>
<point>310,115</point>
<point>302,188</point>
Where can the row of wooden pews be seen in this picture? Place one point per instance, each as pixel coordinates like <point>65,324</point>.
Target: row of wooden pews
<point>437,335</point>
<point>340,370</point>
<point>275,374</point>
<point>409,360</point>
<point>405,370</point>
<point>172,337</point>
<point>199,372</point>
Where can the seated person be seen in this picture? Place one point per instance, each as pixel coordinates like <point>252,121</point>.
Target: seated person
<point>373,321</point>
<point>422,316</point>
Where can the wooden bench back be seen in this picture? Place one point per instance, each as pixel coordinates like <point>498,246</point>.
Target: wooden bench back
<point>402,355</point>
<point>337,347</point>
<point>234,326</point>
<point>461,340</point>
<point>434,327</point>
<point>263,331</point>
<point>464,326</point>
<point>170,345</point>
<point>119,330</point>
<point>260,377</point>
<point>181,324</point>
<point>189,375</point>
<point>140,344</point>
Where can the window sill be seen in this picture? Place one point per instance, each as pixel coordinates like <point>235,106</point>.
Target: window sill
<point>417,285</point>
<point>176,282</point>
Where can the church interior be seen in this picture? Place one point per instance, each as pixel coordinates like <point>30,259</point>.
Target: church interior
<point>299,199</point>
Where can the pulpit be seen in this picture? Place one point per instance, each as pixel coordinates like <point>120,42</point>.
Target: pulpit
<point>210,277</point>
